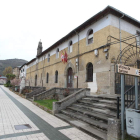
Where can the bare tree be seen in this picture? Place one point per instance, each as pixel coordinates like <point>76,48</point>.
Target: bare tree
<point>8,70</point>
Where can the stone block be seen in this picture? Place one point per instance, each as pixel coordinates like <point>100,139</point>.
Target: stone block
<point>114,129</point>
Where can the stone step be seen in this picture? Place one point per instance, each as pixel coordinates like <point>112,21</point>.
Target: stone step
<point>99,134</point>
<point>88,120</point>
<point>30,99</point>
<point>97,100</point>
<point>104,111</point>
<point>104,100</point>
<point>97,116</point>
<point>99,105</point>
<point>105,96</point>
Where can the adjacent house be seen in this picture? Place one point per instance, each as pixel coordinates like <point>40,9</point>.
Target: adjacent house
<point>22,71</point>
<point>16,71</point>
<point>3,79</point>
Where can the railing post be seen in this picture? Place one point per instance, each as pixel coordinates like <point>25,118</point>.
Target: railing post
<point>136,92</point>
<point>122,105</point>
<point>118,111</point>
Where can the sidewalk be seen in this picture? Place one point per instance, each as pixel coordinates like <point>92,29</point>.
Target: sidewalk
<point>15,111</point>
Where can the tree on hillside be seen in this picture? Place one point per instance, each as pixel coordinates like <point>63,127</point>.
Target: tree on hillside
<point>8,70</point>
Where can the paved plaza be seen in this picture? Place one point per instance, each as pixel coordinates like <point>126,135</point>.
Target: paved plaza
<point>16,111</point>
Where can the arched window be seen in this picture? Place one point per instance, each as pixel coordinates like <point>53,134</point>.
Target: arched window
<point>56,77</point>
<point>70,47</point>
<point>90,37</point>
<point>57,53</point>
<point>47,78</point>
<point>89,72</point>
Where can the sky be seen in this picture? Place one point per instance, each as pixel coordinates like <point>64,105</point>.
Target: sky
<point>24,22</point>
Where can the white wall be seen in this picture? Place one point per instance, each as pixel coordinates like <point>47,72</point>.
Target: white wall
<point>23,73</point>
<point>126,26</point>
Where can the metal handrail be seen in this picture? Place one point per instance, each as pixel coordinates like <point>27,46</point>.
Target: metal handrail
<point>129,89</point>
<point>128,105</point>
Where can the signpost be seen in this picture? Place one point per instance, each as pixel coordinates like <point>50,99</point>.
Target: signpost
<point>126,70</point>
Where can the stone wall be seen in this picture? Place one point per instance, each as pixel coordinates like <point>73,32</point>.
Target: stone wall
<point>62,104</point>
<point>32,88</point>
<point>55,93</point>
<point>35,92</point>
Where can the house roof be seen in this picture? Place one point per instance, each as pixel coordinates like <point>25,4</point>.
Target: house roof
<point>3,77</point>
<point>22,66</point>
<point>17,67</point>
<point>31,61</point>
<point>96,17</point>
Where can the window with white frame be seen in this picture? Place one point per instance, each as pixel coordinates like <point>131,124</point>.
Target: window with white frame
<point>90,37</point>
<point>57,53</point>
<point>48,57</point>
<point>70,47</point>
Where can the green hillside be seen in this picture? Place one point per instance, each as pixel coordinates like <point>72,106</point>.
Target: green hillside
<point>11,62</point>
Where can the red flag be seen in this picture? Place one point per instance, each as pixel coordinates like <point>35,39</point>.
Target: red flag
<point>65,57</point>
<point>62,56</point>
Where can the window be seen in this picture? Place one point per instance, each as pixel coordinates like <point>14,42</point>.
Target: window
<point>57,53</point>
<point>48,57</point>
<point>89,72</point>
<point>21,71</point>
<point>70,47</point>
<point>47,78</point>
<point>90,36</point>
<point>56,77</point>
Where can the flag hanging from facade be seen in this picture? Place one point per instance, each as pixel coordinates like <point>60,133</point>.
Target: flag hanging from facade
<point>62,57</point>
<point>65,57</point>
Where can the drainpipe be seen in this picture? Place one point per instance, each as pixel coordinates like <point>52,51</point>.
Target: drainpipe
<point>78,57</point>
<point>122,86</point>
<point>43,74</point>
<point>120,34</point>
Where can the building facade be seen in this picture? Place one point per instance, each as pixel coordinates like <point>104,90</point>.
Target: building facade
<point>92,49</point>
<point>22,71</point>
<point>16,71</point>
<point>3,80</point>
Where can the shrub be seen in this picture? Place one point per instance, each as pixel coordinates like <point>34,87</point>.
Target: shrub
<point>8,84</point>
<point>66,92</point>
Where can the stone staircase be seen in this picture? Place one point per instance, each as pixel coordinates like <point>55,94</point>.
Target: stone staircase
<point>91,114</point>
<point>37,91</point>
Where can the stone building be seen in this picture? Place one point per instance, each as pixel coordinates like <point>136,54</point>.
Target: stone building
<point>3,80</point>
<point>16,71</point>
<point>92,48</point>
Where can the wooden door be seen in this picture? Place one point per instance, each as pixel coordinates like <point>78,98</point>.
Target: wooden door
<point>69,78</point>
